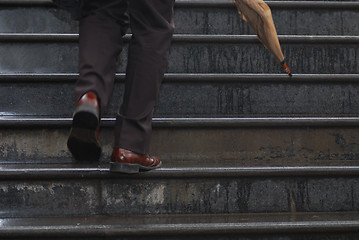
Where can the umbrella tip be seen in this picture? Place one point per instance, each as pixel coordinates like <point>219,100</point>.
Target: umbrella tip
<point>286,68</point>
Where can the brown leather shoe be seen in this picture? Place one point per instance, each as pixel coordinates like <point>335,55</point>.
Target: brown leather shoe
<point>84,139</point>
<point>125,161</point>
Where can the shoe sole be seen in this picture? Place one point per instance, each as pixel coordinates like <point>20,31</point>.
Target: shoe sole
<point>82,141</point>
<point>130,167</point>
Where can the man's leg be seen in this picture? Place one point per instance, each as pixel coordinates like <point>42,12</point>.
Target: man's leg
<point>100,43</point>
<point>101,30</point>
<point>152,28</point>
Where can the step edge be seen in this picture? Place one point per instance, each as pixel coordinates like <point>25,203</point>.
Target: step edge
<point>204,3</point>
<point>275,4</point>
<point>51,171</point>
<point>187,38</point>
<point>31,121</point>
<point>188,77</point>
<point>179,228</point>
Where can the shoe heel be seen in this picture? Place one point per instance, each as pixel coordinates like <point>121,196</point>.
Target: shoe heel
<point>87,108</point>
<point>124,168</point>
<point>83,145</point>
<point>85,116</point>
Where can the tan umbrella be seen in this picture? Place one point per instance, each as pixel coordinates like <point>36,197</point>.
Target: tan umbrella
<point>259,16</point>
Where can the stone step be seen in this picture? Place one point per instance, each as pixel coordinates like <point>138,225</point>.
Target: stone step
<point>207,17</point>
<point>75,190</point>
<point>44,53</point>
<point>196,95</point>
<point>312,226</point>
<point>291,17</point>
<point>58,171</point>
<point>235,142</point>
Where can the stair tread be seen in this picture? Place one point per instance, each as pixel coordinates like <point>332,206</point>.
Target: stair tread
<point>196,170</point>
<point>209,38</point>
<point>189,77</point>
<point>335,57</point>
<point>179,224</point>
<point>48,121</point>
<point>222,17</point>
<point>221,3</point>
<point>210,95</point>
<point>336,54</point>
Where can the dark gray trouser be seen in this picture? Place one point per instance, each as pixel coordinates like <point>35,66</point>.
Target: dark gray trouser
<point>101,30</point>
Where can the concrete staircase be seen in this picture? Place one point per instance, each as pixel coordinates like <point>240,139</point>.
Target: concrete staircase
<point>248,152</point>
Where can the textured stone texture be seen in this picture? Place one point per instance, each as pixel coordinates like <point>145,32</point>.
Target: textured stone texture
<point>36,198</point>
<point>197,146</point>
<point>198,99</point>
<point>178,196</point>
<point>204,20</point>
<point>186,57</point>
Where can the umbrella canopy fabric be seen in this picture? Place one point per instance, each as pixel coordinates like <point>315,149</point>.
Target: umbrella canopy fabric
<point>259,16</point>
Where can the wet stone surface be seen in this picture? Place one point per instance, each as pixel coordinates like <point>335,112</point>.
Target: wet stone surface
<point>178,196</point>
<point>204,20</point>
<point>196,146</point>
<point>38,198</point>
<point>204,57</point>
<point>197,99</point>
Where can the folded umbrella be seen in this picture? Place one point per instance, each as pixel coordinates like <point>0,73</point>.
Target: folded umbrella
<point>259,16</point>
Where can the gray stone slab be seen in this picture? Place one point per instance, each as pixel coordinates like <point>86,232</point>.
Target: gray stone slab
<point>204,20</point>
<point>188,226</point>
<point>36,20</point>
<point>342,201</point>
<point>192,146</point>
<point>254,58</point>
<point>195,196</point>
<point>189,57</point>
<point>284,236</point>
<point>51,198</point>
<point>288,21</point>
<point>197,98</point>
<point>118,197</point>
